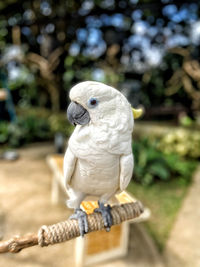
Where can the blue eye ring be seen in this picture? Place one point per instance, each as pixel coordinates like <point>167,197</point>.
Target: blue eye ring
<point>92,102</point>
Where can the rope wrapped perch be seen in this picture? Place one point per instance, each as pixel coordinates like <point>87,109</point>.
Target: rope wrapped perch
<point>69,229</point>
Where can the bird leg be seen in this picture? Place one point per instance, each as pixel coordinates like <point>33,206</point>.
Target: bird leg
<point>81,217</point>
<point>106,215</point>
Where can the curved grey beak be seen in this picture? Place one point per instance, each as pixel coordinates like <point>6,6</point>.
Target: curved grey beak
<point>77,114</point>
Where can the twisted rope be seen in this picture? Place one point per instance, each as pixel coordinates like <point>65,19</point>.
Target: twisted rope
<point>64,231</point>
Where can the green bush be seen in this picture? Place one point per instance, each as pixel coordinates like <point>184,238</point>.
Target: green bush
<point>25,130</point>
<point>171,139</point>
<point>152,165</point>
<point>33,125</point>
<point>182,141</point>
<point>3,132</point>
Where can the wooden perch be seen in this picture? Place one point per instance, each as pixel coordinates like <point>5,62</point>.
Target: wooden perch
<point>17,243</point>
<point>64,231</point>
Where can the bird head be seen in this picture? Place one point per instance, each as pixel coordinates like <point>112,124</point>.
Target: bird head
<point>94,101</point>
<point>106,116</point>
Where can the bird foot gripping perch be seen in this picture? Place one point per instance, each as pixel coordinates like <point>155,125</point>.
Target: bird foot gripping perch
<point>81,217</point>
<point>106,215</point>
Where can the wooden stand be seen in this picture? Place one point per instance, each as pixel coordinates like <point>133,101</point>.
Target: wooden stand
<point>97,246</point>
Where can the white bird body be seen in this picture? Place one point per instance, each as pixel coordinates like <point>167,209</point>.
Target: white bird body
<point>95,167</point>
<point>99,161</point>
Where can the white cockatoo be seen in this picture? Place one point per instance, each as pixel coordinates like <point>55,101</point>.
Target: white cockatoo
<point>99,160</point>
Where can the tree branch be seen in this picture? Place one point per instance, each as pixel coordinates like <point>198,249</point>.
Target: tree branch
<point>17,243</point>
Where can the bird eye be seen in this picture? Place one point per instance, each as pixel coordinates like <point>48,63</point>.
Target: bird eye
<point>93,102</point>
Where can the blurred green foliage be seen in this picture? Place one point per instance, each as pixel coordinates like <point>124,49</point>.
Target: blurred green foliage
<point>26,88</point>
<point>73,73</point>
<point>184,141</point>
<point>181,141</point>
<point>33,125</point>
<point>152,165</point>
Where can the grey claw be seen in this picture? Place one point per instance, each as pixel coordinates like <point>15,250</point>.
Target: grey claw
<point>81,217</point>
<point>106,215</point>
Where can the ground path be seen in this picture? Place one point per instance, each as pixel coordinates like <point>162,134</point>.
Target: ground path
<point>183,246</point>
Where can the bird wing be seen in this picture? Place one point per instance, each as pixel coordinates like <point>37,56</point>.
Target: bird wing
<point>68,166</point>
<point>126,170</point>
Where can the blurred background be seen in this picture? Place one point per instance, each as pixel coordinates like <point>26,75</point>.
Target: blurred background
<point>150,51</point>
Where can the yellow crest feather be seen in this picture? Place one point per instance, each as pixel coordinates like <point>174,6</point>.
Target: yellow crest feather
<point>137,113</point>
